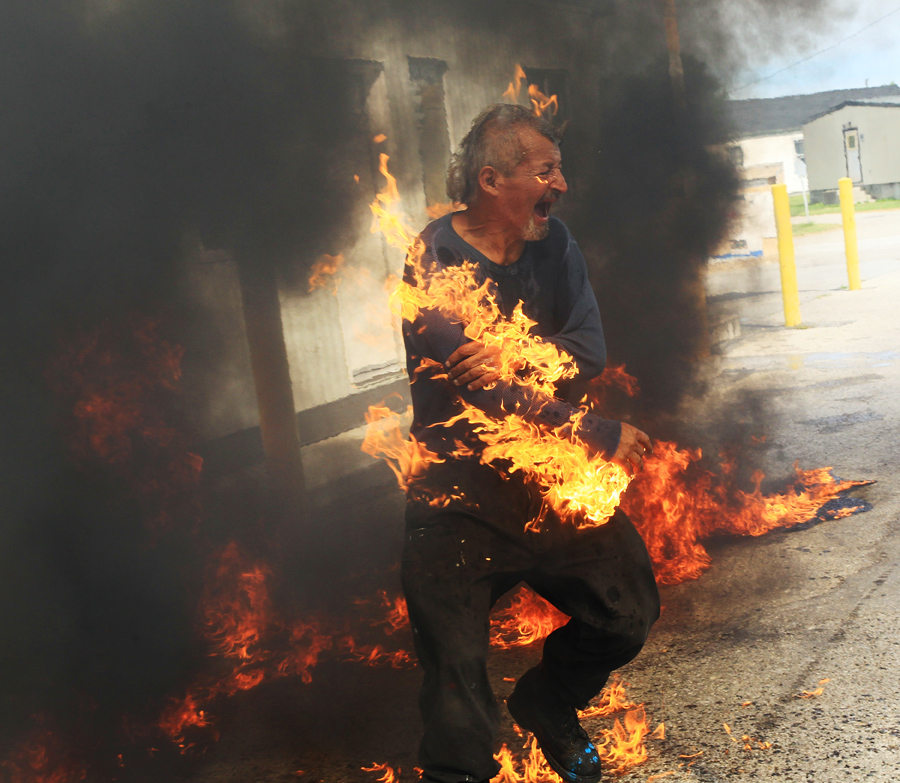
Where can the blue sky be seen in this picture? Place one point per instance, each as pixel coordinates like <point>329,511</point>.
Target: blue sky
<point>873,54</point>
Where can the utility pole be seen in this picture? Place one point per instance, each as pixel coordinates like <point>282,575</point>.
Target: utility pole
<point>673,42</point>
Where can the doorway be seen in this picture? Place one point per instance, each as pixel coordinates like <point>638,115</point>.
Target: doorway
<point>851,152</point>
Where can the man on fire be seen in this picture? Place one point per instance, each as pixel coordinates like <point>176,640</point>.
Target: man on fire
<point>461,555</point>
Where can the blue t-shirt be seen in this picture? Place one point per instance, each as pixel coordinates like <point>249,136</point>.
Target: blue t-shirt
<point>550,279</point>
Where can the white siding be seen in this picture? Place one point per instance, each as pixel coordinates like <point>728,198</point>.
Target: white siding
<point>879,131</point>
<point>778,148</point>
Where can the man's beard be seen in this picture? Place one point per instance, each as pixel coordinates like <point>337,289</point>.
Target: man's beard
<point>534,232</point>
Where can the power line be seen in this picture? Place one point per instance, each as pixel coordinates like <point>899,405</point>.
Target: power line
<point>821,51</point>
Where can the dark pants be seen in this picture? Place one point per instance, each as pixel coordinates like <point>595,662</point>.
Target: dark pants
<point>458,562</point>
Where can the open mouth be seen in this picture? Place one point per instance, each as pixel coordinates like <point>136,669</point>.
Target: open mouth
<point>542,209</point>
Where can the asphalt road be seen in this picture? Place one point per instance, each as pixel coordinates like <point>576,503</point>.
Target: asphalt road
<point>776,615</point>
<point>752,290</point>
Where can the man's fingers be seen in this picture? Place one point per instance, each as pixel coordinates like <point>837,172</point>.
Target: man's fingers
<point>484,380</point>
<point>465,350</point>
<point>473,374</point>
<point>479,359</point>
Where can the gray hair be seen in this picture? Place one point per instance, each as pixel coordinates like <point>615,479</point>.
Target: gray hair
<point>493,140</point>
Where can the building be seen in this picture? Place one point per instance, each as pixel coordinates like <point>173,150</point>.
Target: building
<point>770,130</point>
<point>409,85</point>
<point>855,139</point>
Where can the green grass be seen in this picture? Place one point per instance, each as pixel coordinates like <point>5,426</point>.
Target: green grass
<point>802,229</point>
<point>821,209</point>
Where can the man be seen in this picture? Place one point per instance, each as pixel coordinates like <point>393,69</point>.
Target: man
<point>461,555</point>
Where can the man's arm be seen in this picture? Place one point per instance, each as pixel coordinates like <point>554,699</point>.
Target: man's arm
<point>444,337</point>
<point>581,335</point>
<point>581,332</point>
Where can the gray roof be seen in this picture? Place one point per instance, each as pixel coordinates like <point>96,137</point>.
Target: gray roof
<point>889,102</point>
<point>764,116</point>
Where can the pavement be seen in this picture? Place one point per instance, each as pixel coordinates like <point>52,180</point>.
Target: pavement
<point>778,615</point>
<point>774,616</point>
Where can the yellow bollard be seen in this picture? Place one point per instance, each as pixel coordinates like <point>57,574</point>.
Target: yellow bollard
<point>789,293</point>
<point>848,213</point>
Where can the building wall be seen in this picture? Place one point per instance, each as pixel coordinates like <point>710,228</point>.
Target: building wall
<point>879,129</point>
<point>341,339</point>
<point>775,149</point>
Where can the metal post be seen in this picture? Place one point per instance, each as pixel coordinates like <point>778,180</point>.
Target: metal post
<point>848,213</point>
<point>789,293</point>
<point>673,43</point>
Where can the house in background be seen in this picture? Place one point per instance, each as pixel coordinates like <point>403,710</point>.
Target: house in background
<point>770,130</point>
<point>855,139</point>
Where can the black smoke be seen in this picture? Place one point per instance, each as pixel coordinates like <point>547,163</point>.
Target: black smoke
<point>130,131</point>
<point>662,196</point>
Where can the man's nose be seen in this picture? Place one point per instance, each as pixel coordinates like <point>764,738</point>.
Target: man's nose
<point>559,182</point>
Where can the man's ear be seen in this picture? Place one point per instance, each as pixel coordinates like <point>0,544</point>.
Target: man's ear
<point>487,179</point>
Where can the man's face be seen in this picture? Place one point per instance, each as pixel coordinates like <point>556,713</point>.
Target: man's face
<point>525,197</point>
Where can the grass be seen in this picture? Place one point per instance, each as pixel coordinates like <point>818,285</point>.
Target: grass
<point>823,209</point>
<point>802,229</point>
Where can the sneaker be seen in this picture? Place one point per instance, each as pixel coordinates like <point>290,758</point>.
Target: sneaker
<point>565,744</point>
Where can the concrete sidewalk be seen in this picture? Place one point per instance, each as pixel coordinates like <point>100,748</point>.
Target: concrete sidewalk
<point>776,615</point>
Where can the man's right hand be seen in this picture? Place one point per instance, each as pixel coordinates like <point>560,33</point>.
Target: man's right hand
<point>633,445</point>
<point>472,365</point>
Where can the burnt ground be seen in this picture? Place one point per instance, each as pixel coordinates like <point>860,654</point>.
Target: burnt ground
<point>773,617</point>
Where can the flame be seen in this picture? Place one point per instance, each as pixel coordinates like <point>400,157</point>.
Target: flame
<point>396,614</point>
<point>582,489</point>
<point>543,105</point>
<point>527,619</point>
<point>515,86</point>
<point>120,381</point>
<point>571,481</point>
<point>612,699</point>
<point>389,776</point>
<point>253,644</point>
<point>41,759</point>
<point>623,745</point>
<point>534,767</point>
<point>326,270</point>
<point>622,748</point>
<point>812,694</point>
<point>674,504</point>
<point>406,457</point>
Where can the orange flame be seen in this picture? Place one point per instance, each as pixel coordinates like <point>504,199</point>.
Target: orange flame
<point>120,382</point>
<point>325,270</point>
<point>612,699</point>
<point>245,632</point>
<point>41,759</point>
<point>389,776</point>
<point>674,505</point>
<point>527,619</point>
<point>406,457</point>
<point>543,105</point>
<point>623,745</point>
<point>817,692</point>
<point>572,482</point>
<point>515,86</point>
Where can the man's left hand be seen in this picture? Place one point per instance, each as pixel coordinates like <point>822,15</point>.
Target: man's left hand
<point>472,365</point>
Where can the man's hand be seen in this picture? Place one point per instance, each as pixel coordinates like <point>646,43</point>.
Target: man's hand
<point>633,445</point>
<point>472,365</point>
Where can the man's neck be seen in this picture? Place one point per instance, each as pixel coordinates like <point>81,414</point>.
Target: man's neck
<point>488,235</point>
